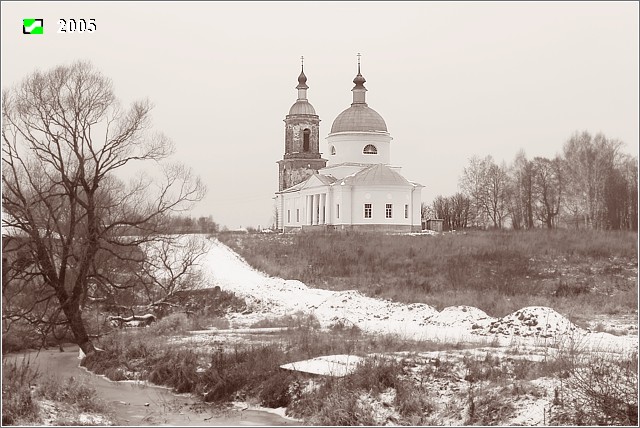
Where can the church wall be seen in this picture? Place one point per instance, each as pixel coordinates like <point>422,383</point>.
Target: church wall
<point>341,195</point>
<point>417,209</point>
<point>294,210</point>
<point>349,147</point>
<point>294,213</point>
<point>378,197</point>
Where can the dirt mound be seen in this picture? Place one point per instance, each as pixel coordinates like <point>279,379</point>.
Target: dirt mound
<point>466,316</point>
<point>531,321</point>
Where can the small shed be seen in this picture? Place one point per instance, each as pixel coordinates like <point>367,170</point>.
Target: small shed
<point>434,224</point>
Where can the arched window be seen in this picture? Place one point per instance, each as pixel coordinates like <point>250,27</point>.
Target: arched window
<point>333,150</point>
<point>370,149</point>
<point>305,140</point>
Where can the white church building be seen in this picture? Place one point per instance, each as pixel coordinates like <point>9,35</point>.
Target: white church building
<point>355,187</point>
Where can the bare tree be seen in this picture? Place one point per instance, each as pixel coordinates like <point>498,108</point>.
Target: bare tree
<point>442,210</point>
<point>460,205</point>
<point>589,161</point>
<point>521,192</point>
<point>473,184</point>
<point>169,268</point>
<point>496,192</point>
<point>547,189</point>
<point>486,185</point>
<point>65,138</point>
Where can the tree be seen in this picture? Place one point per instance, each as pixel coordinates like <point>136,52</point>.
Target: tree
<point>168,268</point>
<point>65,139</point>
<point>589,161</point>
<point>496,192</point>
<point>442,210</point>
<point>486,185</point>
<point>473,184</point>
<point>460,205</point>
<point>520,192</point>
<point>547,189</point>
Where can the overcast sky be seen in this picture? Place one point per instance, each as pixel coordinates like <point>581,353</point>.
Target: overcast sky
<point>450,79</point>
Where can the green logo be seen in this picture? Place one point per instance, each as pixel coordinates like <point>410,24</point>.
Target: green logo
<point>33,26</point>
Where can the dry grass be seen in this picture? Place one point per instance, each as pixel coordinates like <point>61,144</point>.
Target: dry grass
<point>23,388</point>
<point>18,405</point>
<point>497,271</point>
<point>239,371</point>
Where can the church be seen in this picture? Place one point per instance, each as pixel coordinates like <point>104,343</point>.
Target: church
<point>355,187</point>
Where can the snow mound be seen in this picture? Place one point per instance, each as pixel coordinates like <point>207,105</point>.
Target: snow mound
<point>531,321</point>
<point>372,314</point>
<point>467,316</point>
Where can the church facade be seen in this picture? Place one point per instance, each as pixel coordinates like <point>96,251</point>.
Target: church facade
<point>355,187</point>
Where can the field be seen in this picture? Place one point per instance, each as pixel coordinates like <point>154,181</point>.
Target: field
<point>581,274</point>
<point>424,354</point>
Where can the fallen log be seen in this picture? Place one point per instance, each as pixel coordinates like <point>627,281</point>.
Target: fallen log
<point>132,321</point>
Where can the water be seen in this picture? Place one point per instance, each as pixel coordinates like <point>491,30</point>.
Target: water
<point>136,404</point>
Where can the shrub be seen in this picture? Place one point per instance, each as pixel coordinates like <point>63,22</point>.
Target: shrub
<point>170,325</point>
<point>240,372</point>
<point>488,369</point>
<point>18,407</point>
<point>333,404</point>
<point>376,375</point>
<point>488,408</point>
<point>176,368</point>
<point>276,390</point>
<point>413,403</point>
<point>601,390</point>
<point>71,391</point>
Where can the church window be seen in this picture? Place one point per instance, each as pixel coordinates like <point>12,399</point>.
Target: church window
<point>305,139</point>
<point>387,211</point>
<point>367,210</point>
<point>333,150</point>
<point>298,215</point>
<point>288,216</point>
<point>337,210</point>
<point>406,211</point>
<point>370,149</point>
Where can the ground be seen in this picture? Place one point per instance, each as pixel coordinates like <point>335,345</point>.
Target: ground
<point>395,363</point>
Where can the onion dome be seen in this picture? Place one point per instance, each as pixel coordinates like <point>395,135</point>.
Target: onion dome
<point>359,117</point>
<point>302,105</point>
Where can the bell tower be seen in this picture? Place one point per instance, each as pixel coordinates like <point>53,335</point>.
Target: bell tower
<point>301,140</point>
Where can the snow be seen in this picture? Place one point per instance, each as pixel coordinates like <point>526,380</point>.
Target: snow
<point>532,321</point>
<point>273,297</point>
<point>330,365</point>
<point>461,315</point>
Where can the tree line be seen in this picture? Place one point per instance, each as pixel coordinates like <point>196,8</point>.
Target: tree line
<point>592,184</point>
<point>187,224</point>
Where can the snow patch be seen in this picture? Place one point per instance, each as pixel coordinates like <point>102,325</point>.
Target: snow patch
<point>462,315</point>
<point>328,365</point>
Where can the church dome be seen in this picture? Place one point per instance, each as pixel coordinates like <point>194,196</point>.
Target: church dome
<point>302,107</point>
<point>358,117</point>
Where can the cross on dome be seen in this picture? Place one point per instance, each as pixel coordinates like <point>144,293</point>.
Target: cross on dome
<point>302,79</point>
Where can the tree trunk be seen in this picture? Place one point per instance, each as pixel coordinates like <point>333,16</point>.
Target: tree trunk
<point>74,316</point>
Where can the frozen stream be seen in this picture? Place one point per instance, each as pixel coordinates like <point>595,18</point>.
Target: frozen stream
<point>127,400</point>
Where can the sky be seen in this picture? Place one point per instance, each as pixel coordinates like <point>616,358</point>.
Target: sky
<point>451,79</point>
